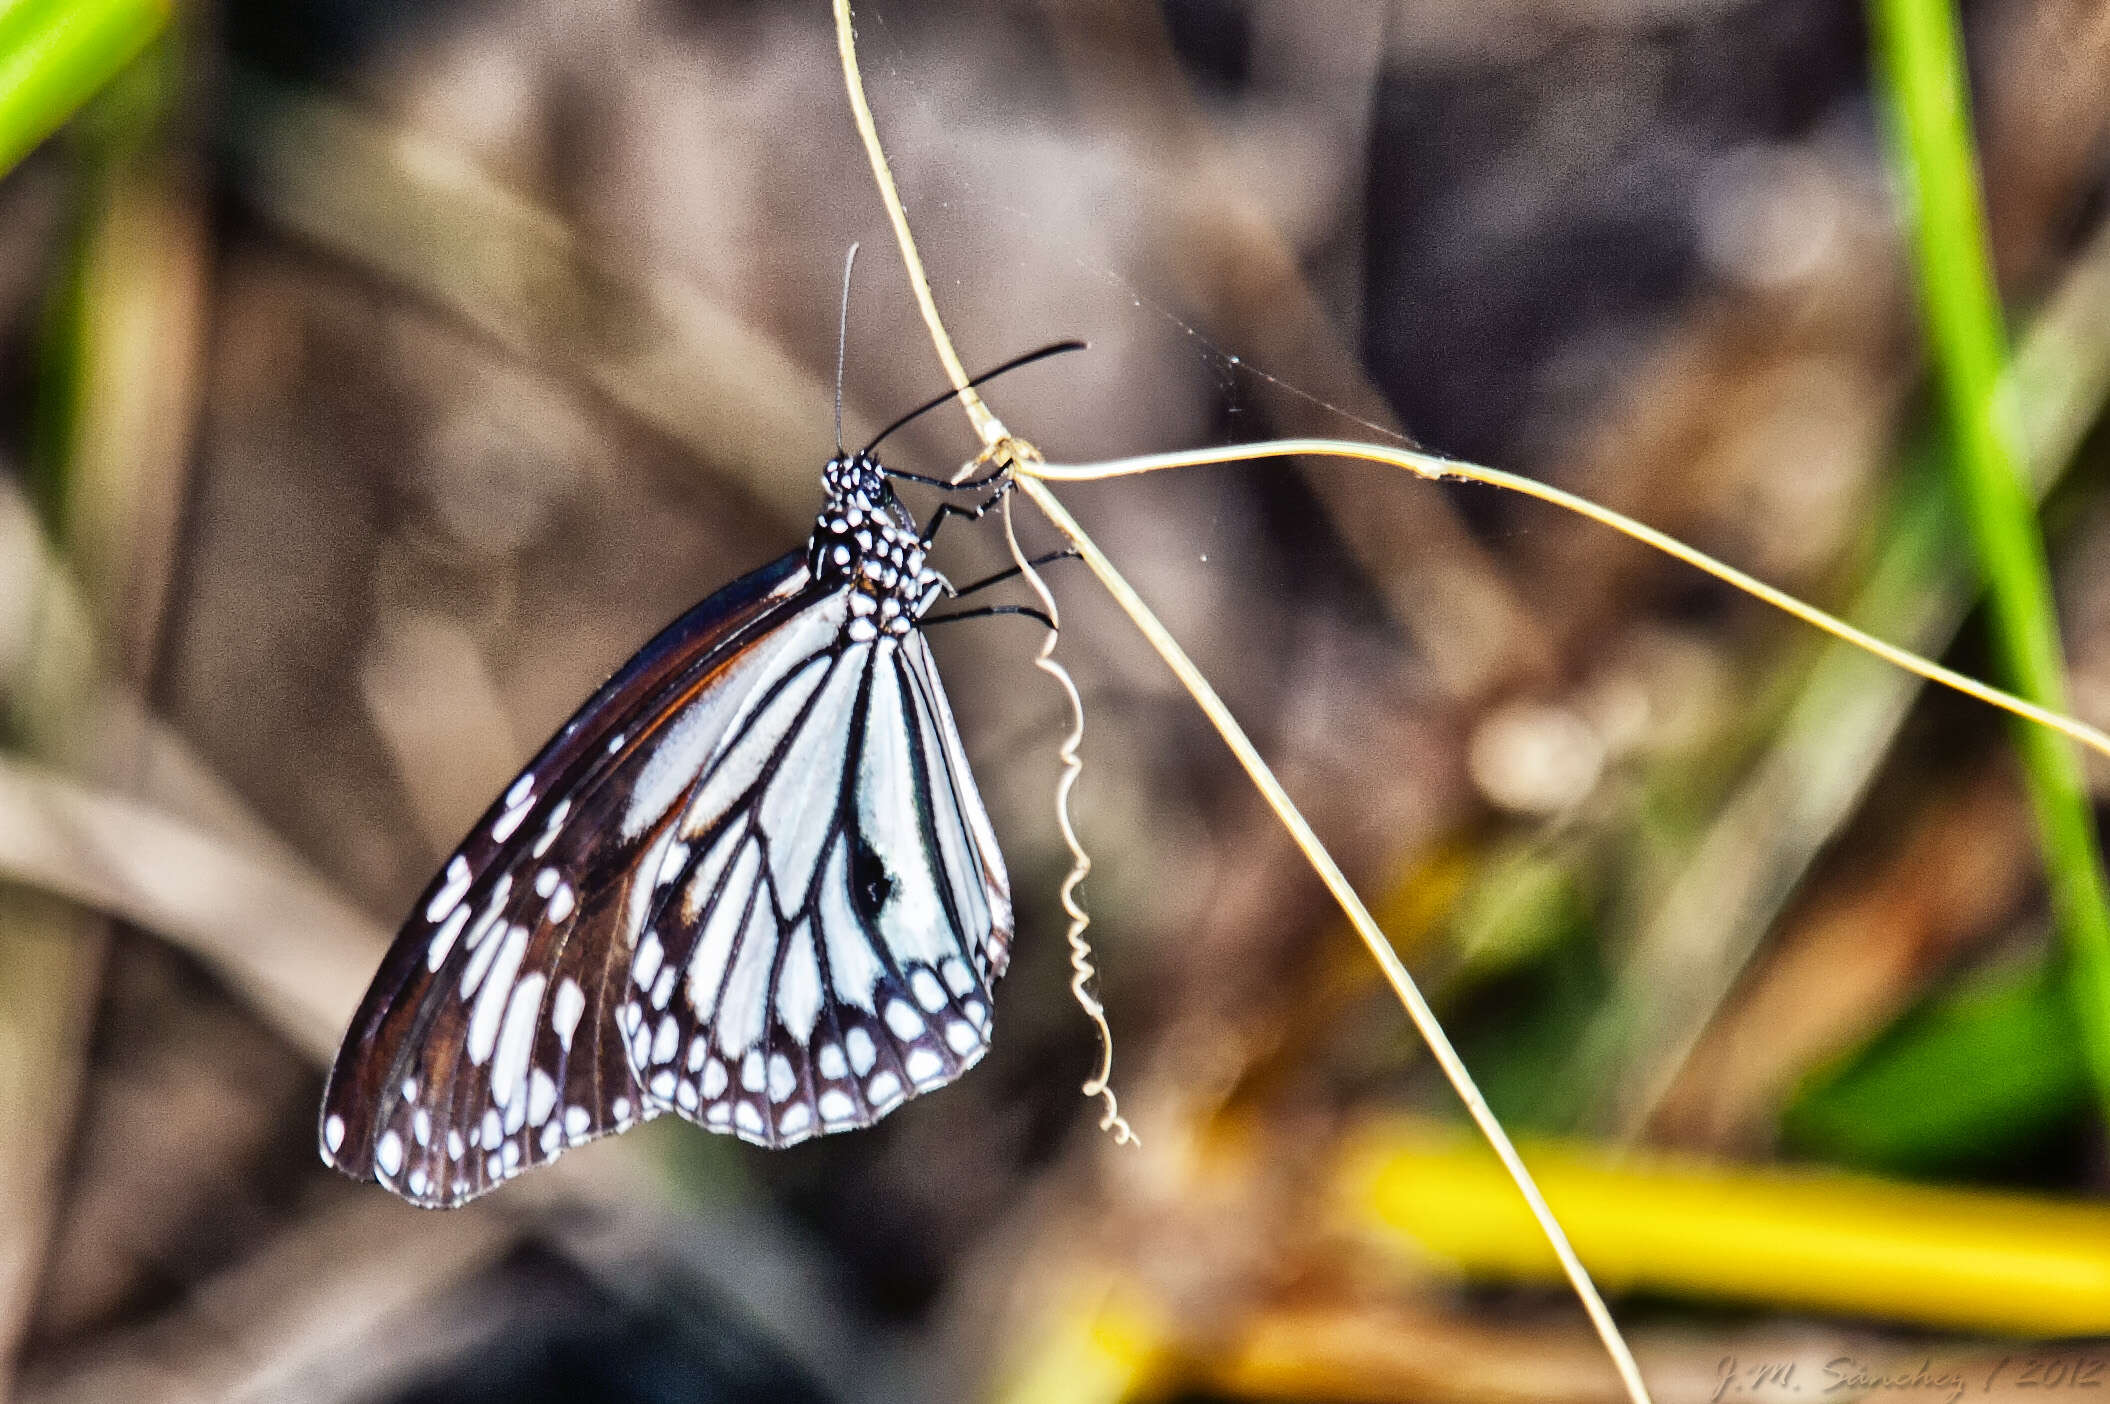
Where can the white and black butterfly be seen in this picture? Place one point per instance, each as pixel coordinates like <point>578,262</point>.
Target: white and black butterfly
<point>750,882</point>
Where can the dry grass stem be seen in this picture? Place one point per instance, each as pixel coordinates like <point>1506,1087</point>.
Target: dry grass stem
<point>1446,469</point>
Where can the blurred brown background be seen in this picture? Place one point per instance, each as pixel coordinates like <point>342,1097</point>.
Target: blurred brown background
<point>375,377</point>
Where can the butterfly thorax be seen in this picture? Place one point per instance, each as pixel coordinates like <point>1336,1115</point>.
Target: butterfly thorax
<point>865,539</point>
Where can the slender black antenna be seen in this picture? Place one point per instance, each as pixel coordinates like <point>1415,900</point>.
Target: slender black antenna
<point>842,345</point>
<point>984,378</point>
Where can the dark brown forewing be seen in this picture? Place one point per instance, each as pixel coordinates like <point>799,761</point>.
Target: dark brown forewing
<point>485,1043</point>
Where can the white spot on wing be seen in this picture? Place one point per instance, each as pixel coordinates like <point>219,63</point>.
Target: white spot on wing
<point>502,829</point>
<point>670,866</point>
<point>924,1067</point>
<point>837,1106</point>
<point>333,1131</point>
<point>799,986</point>
<point>451,891</point>
<point>516,1041</point>
<point>542,1097</point>
<point>491,999</point>
<point>644,966</point>
<point>550,828</point>
<point>904,1021</point>
<point>862,1052</point>
<point>389,1154</point>
<point>929,993</point>
<point>743,1009</point>
<point>473,975</point>
<point>565,1009</point>
<point>782,1081</point>
<point>443,939</point>
<point>715,947</point>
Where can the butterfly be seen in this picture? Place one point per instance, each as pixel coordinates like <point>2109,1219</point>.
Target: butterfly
<point>750,882</point>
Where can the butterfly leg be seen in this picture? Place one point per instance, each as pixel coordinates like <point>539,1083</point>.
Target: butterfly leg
<point>986,611</point>
<point>972,514</point>
<point>947,484</point>
<point>1068,553</point>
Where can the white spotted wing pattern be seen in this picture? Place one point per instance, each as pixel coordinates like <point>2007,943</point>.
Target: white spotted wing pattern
<point>751,882</point>
<point>834,910</point>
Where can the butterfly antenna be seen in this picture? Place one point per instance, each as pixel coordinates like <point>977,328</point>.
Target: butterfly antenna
<point>984,378</point>
<point>842,347</point>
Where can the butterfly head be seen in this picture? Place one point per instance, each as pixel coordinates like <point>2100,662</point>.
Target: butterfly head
<point>866,540</point>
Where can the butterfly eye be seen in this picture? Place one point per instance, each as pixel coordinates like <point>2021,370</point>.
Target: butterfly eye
<point>870,883</point>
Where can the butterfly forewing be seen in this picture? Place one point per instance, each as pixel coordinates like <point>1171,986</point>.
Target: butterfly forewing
<point>822,949</point>
<point>487,1043</point>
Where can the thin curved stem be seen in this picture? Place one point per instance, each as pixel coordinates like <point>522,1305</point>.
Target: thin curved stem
<point>987,426</point>
<point>1433,468</point>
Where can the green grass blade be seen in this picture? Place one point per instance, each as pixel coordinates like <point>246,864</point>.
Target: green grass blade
<point>1969,1081</point>
<point>55,54</point>
<point>1922,67</point>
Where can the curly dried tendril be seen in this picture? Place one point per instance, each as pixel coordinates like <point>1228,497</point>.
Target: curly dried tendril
<point>1082,972</point>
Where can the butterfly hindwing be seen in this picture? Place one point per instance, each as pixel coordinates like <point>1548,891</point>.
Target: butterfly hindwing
<point>824,946</point>
<point>488,1043</point>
